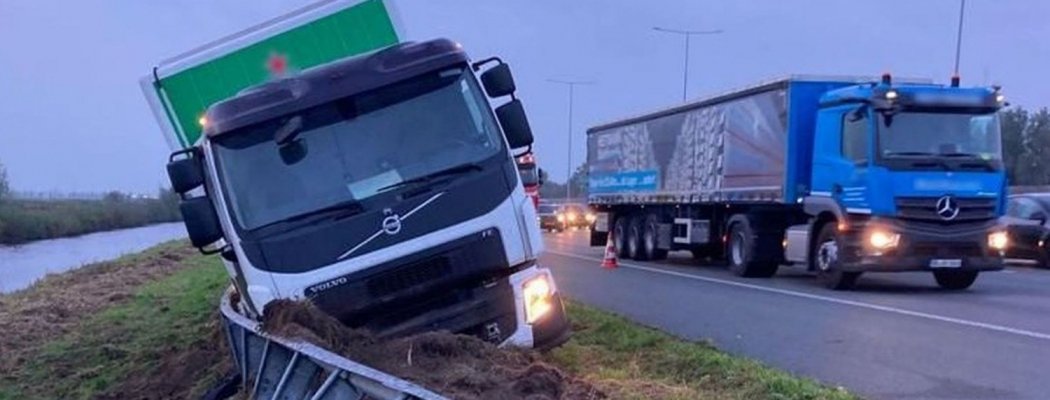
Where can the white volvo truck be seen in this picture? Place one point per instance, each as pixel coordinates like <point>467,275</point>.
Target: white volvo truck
<point>325,159</point>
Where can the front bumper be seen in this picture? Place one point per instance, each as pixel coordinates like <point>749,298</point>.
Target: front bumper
<point>962,246</point>
<point>551,223</point>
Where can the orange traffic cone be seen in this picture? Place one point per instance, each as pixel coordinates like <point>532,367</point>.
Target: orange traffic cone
<point>609,262</point>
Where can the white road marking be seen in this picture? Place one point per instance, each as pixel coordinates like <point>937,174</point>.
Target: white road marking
<point>869,306</point>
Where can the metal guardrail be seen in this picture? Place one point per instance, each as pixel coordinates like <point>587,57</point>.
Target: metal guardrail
<point>282,368</point>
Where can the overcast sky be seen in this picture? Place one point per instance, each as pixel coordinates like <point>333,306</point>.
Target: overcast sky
<point>73,118</point>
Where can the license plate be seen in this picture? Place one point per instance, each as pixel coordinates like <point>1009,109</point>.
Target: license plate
<point>945,263</point>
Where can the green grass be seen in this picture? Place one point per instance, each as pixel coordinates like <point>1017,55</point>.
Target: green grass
<point>28,220</point>
<point>635,362</point>
<point>142,339</point>
<point>164,317</point>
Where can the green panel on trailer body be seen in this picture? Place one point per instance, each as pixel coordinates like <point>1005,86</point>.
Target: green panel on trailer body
<point>359,29</point>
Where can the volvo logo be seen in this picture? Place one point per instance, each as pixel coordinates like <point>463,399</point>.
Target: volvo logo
<point>391,223</point>
<point>947,208</point>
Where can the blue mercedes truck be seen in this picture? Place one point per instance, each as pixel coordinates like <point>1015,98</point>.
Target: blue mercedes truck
<point>840,175</point>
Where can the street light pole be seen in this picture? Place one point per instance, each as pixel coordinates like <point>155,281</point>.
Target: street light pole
<point>958,37</point>
<point>568,169</point>
<point>688,35</point>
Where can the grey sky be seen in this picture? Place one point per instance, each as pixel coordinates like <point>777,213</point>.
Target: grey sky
<point>74,119</point>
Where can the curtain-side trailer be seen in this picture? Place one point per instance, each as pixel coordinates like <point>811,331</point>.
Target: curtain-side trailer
<point>842,175</point>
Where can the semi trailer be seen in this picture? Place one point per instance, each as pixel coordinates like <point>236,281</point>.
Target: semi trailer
<point>839,175</point>
<point>326,159</point>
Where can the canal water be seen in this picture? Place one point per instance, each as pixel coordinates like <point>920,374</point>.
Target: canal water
<point>22,265</point>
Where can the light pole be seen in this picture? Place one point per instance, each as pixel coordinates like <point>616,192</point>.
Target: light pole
<point>958,37</point>
<point>687,34</point>
<point>568,169</point>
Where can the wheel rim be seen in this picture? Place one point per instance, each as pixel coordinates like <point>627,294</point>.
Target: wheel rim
<point>737,249</point>
<point>827,254</point>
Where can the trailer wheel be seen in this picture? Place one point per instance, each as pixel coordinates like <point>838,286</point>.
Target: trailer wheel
<point>635,239</point>
<point>620,236</point>
<point>741,253</point>
<point>649,236</point>
<point>955,280</point>
<point>825,260</point>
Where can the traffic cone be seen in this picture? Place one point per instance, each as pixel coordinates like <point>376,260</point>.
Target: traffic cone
<point>609,262</point>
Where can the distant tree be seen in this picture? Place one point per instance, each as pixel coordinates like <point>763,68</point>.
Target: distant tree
<point>556,190</point>
<point>1014,123</point>
<point>1036,160</point>
<point>5,187</point>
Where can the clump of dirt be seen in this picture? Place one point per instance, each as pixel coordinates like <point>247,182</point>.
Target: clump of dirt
<point>58,303</point>
<point>459,366</point>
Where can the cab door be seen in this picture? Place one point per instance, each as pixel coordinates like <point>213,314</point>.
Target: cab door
<point>842,151</point>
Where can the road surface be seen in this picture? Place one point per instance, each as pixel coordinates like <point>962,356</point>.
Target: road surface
<point>897,336</point>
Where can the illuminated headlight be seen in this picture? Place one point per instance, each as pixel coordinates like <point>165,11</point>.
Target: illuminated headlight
<point>881,239</point>
<point>891,95</point>
<point>591,217</point>
<point>537,292</point>
<point>998,241</point>
<point>1001,98</point>
<point>572,217</point>
<point>561,218</point>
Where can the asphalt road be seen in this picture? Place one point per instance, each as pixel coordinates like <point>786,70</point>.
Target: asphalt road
<point>898,336</point>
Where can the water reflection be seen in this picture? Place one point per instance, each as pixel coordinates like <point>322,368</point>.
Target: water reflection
<point>20,266</point>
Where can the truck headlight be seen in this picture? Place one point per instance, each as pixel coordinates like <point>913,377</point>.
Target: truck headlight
<point>998,240</point>
<point>537,292</point>
<point>881,239</point>
<point>591,217</point>
<point>561,217</point>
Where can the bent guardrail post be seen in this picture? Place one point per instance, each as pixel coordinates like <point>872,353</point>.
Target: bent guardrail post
<point>282,368</point>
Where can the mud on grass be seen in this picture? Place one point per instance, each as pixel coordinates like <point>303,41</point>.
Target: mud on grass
<point>139,327</point>
<point>458,366</point>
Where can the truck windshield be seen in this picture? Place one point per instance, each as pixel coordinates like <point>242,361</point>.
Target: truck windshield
<point>354,148</point>
<point>924,134</point>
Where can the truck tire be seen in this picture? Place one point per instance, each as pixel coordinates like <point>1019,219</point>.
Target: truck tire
<point>741,253</point>
<point>955,280</point>
<point>649,238</point>
<point>824,257</point>
<point>635,239</point>
<point>620,235</point>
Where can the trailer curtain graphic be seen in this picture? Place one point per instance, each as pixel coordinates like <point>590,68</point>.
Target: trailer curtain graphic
<point>735,145</point>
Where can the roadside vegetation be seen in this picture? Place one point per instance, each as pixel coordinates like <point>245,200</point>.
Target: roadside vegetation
<point>132,328</point>
<point>24,221</point>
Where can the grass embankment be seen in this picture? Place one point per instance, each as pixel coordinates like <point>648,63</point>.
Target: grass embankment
<point>23,221</point>
<point>161,341</point>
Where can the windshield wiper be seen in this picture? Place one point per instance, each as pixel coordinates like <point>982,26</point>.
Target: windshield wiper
<point>431,177</point>
<point>959,155</point>
<point>341,209</point>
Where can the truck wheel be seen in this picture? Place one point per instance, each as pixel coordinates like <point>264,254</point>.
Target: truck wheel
<point>635,239</point>
<point>620,236</point>
<point>651,230</point>
<point>741,253</point>
<point>825,260</point>
<point>955,280</point>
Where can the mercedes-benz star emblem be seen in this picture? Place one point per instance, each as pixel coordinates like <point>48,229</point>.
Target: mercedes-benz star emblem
<point>947,208</point>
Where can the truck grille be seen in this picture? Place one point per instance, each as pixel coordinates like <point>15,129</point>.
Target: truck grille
<point>414,274</point>
<point>925,209</point>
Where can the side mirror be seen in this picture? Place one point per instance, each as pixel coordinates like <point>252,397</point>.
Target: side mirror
<point>498,81</point>
<point>202,223</point>
<point>542,175</point>
<point>515,125</point>
<point>186,173</point>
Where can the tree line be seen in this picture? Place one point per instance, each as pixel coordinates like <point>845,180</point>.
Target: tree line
<point>23,221</point>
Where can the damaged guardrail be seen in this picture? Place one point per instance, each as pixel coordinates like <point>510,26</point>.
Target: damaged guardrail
<point>282,368</point>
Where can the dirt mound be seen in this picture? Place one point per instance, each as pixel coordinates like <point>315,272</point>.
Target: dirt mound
<point>458,366</point>
<point>56,304</point>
